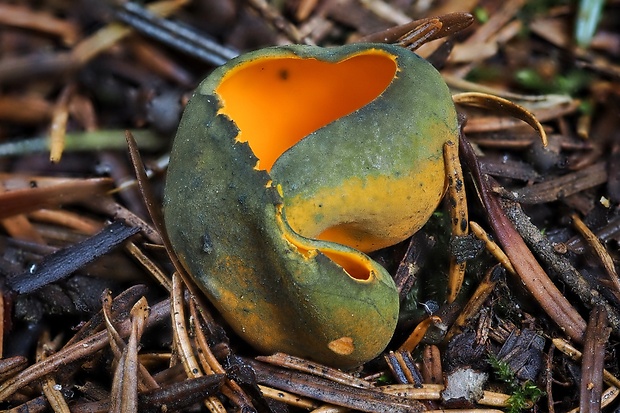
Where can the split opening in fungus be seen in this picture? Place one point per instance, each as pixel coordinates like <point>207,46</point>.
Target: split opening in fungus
<point>275,102</point>
<point>356,266</point>
<point>353,265</point>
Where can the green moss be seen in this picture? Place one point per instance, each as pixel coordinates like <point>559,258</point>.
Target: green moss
<point>523,395</point>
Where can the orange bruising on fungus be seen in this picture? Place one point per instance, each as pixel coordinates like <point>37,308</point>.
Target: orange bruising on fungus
<point>275,102</point>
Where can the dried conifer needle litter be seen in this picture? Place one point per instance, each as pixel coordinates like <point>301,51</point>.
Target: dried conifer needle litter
<point>292,162</point>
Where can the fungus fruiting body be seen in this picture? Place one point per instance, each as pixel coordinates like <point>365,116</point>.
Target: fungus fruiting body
<point>290,163</point>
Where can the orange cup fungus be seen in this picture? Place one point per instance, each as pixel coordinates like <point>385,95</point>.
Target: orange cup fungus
<point>290,163</point>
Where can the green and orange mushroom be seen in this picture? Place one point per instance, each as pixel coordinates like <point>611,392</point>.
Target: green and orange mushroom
<point>291,163</point>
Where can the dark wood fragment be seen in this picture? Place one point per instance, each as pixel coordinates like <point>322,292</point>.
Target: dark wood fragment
<point>366,400</point>
<point>523,352</point>
<point>36,405</point>
<point>417,252</point>
<point>396,369</point>
<point>403,368</point>
<point>558,188</point>
<point>64,262</point>
<point>465,350</point>
<point>593,361</point>
<point>507,168</point>
<point>170,397</point>
<point>176,396</point>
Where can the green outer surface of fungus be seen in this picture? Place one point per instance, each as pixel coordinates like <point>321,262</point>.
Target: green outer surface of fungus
<point>275,243</point>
